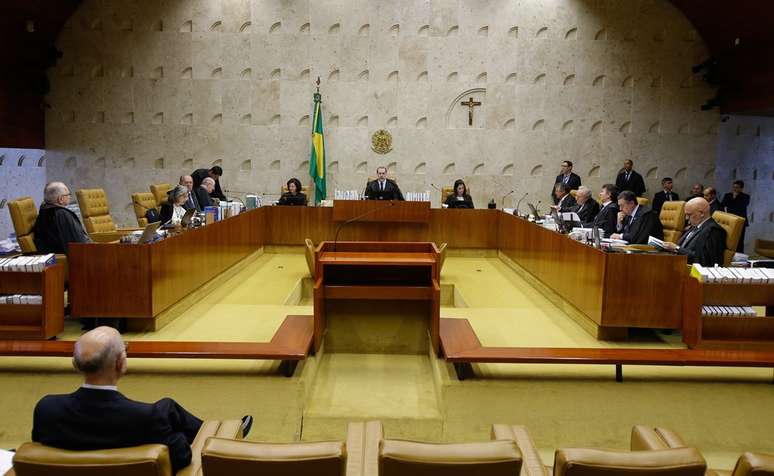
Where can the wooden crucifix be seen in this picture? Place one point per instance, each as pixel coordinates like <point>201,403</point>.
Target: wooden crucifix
<point>471,104</point>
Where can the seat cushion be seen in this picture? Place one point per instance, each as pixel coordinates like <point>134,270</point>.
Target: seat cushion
<point>594,462</point>
<point>237,457</point>
<point>408,458</point>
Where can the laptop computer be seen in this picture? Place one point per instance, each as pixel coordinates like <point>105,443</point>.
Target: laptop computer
<point>186,220</point>
<point>533,210</point>
<point>149,234</point>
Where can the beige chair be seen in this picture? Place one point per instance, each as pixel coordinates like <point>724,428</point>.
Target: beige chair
<point>159,191</point>
<point>643,201</point>
<point>749,464</point>
<point>23,215</point>
<point>95,211</point>
<point>236,458</point>
<point>34,459</point>
<point>672,220</point>
<point>387,457</point>
<point>142,202</point>
<point>765,248</point>
<point>733,225</point>
<point>304,189</point>
<point>309,253</point>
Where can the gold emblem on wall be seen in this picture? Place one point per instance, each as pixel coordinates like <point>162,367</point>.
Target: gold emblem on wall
<point>381,142</point>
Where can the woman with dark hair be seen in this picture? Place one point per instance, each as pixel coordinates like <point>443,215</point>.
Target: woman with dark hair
<point>294,195</point>
<point>460,197</point>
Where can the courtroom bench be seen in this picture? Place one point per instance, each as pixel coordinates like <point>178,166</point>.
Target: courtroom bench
<point>461,347</point>
<point>290,344</point>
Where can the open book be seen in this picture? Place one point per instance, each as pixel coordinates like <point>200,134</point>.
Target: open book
<point>659,244</point>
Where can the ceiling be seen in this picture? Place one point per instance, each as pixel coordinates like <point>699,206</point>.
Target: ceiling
<point>745,71</point>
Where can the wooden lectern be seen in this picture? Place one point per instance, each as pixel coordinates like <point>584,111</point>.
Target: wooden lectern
<point>375,270</point>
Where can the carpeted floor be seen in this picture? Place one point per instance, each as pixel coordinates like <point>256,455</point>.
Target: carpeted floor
<point>721,411</point>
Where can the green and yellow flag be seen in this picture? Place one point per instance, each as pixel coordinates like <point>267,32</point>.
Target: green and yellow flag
<point>317,161</point>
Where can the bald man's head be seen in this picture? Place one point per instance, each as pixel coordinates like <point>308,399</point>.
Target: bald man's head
<point>697,210</point>
<point>100,353</point>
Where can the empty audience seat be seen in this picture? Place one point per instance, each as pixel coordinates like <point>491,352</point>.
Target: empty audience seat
<point>672,220</point>
<point>225,457</point>
<point>34,459</point>
<point>733,225</point>
<point>142,202</point>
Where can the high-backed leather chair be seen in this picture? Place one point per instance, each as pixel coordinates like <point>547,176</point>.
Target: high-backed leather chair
<point>446,191</point>
<point>764,248</point>
<point>309,253</point>
<point>95,211</point>
<point>643,201</point>
<point>672,218</point>
<point>34,459</point>
<point>409,458</point>
<point>142,202</point>
<point>159,190</point>
<point>304,189</point>
<point>23,215</point>
<point>228,457</point>
<point>733,225</point>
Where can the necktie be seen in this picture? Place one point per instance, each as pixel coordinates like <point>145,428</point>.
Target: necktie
<point>627,176</point>
<point>669,197</point>
<point>190,202</point>
<point>566,179</point>
<point>382,186</point>
<point>688,237</point>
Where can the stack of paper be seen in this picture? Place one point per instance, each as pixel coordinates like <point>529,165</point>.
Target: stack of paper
<point>728,311</point>
<point>21,299</point>
<point>717,274</point>
<point>28,264</point>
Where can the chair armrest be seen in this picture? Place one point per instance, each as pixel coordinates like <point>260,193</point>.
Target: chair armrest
<point>645,438</point>
<point>754,463</point>
<point>106,236</point>
<point>363,448</point>
<point>231,429</point>
<point>531,463</point>
<point>672,439</point>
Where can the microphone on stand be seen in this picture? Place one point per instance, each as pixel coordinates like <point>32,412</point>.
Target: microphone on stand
<point>502,199</point>
<point>435,187</point>
<point>351,220</point>
<point>537,208</point>
<point>518,204</point>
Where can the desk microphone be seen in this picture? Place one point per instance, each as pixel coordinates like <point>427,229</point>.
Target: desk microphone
<point>2,203</point>
<point>518,204</point>
<point>537,208</point>
<point>351,220</point>
<point>433,185</point>
<point>502,199</point>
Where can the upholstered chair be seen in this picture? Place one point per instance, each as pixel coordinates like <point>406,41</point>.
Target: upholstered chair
<point>673,220</point>
<point>733,225</point>
<point>95,211</point>
<point>23,215</point>
<point>142,202</point>
<point>159,191</point>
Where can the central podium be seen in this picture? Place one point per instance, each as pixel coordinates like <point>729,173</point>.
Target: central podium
<point>377,271</point>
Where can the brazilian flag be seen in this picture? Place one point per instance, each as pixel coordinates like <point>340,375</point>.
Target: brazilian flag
<point>317,160</point>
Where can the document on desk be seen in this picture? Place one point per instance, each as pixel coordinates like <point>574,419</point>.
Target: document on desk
<point>653,241</point>
<point>6,461</point>
<point>571,216</point>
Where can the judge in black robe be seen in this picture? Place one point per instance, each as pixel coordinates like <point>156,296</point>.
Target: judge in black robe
<point>294,195</point>
<point>460,197</point>
<point>639,221</point>
<point>607,217</point>
<point>382,188</point>
<point>704,241</point>
<point>586,207</point>
<point>57,226</point>
<point>214,173</point>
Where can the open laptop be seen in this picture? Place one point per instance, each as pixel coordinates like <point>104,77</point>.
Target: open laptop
<point>533,210</point>
<point>186,220</point>
<point>149,234</point>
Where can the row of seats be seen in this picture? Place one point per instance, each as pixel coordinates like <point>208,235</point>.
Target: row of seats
<point>219,450</point>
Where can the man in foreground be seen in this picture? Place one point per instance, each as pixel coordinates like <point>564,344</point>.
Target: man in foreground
<point>97,416</point>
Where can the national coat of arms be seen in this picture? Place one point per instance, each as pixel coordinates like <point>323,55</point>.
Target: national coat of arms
<point>381,141</point>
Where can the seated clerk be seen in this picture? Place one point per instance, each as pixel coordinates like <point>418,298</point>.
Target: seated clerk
<point>97,416</point>
<point>57,226</point>
<point>587,208</point>
<point>173,210</point>
<point>460,197</point>
<point>203,192</point>
<point>608,214</point>
<point>294,195</point>
<point>636,222</point>
<point>382,188</point>
<point>564,201</point>
<point>704,241</point>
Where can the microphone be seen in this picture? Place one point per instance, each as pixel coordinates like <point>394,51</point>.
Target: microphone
<point>2,203</point>
<point>235,191</point>
<point>502,199</point>
<point>433,185</point>
<point>537,208</point>
<point>518,204</point>
<point>351,220</point>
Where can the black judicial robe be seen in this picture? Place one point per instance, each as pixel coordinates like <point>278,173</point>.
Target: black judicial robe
<point>391,191</point>
<point>644,223</point>
<point>587,211</point>
<point>573,181</point>
<point>55,228</point>
<point>203,197</point>
<point>607,218</point>
<point>200,174</point>
<point>706,246</point>
<point>287,198</point>
<point>452,201</point>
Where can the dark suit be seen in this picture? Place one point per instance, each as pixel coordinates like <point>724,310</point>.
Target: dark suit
<point>715,206</point>
<point>705,246</point>
<point>573,181</point>
<point>192,202</point>
<point>288,198</point>
<point>55,228</point>
<point>453,202</point>
<point>587,211</point>
<point>567,203</point>
<point>203,197</point>
<point>643,223</point>
<point>91,419</point>
<point>391,191</point>
<point>661,197</point>
<point>635,183</point>
<point>200,174</point>
<point>737,206</point>
<point>607,218</point>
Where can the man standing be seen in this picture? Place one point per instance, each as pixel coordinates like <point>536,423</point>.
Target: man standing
<point>214,173</point>
<point>628,179</point>
<point>696,191</point>
<point>566,177</point>
<point>57,226</point>
<point>97,416</point>
<point>191,202</point>
<point>711,196</point>
<point>636,223</point>
<point>382,188</point>
<point>736,202</point>
<point>665,195</point>
<point>704,241</point>
<point>587,208</point>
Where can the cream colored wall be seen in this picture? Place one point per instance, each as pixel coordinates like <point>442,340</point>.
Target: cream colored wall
<point>150,89</point>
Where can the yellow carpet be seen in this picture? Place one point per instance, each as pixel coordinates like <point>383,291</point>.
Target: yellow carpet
<point>721,411</point>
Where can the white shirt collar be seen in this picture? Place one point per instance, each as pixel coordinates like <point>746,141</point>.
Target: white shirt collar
<point>100,387</point>
<point>634,212</point>
<point>604,204</point>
